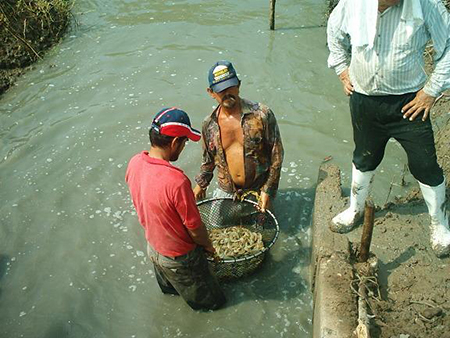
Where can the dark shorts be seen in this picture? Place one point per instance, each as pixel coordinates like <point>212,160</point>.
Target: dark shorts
<point>189,276</point>
<point>376,119</point>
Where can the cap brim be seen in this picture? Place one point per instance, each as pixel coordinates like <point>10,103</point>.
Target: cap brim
<point>176,129</point>
<point>221,86</point>
<point>194,135</point>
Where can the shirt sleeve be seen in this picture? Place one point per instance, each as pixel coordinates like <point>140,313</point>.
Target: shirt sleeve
<point>276,155</point>
<point>204,177</point>
<point>437,20</point>
<point>338,40</point>
<point>185,205</point>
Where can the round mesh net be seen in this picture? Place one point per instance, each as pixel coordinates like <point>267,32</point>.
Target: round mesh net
<point>219,213</point>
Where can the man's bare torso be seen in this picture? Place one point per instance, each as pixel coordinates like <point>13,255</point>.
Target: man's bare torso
<point>232,138</point>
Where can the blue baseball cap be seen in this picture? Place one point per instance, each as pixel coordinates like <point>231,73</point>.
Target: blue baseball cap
<point>222,76</point>
<point>176,123</point>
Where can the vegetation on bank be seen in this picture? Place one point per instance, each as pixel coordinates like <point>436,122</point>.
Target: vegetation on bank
<point>27,29</point>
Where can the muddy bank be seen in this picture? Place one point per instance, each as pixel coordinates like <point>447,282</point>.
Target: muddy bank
<point>27,30</point>
<point>410,294</point>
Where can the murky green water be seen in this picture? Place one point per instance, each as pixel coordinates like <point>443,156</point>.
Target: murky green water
<point>72,258</point>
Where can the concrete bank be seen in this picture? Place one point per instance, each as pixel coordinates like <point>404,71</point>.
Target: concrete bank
<point>335,306</point>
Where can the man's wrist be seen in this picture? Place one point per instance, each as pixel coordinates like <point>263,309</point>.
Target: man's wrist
<point>430,91</point>
<point>339,69</point>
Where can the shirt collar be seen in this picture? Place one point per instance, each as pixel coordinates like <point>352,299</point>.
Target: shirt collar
<point>246,106</point>
<point>387,10</point>
<point>157,161</point>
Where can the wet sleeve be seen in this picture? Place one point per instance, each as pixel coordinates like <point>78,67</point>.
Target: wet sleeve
<point>338,40</point>
<point>276,155</point>
<point>206,173</point>
<point>185,205</point>
<point>437,20</point>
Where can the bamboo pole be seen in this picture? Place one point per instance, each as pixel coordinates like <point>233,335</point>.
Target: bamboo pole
<point>272,14</point>
<point>366,238</point>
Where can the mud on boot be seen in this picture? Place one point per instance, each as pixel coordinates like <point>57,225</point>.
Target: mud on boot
<point>437,208</point>
<point>346,220</point>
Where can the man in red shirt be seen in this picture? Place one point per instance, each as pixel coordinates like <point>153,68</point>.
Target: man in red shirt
<point>165,204</point>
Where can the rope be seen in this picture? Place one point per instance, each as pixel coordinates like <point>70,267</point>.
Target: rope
<point>250,192</point>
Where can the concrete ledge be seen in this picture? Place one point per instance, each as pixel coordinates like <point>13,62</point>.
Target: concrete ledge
<point>335,307</point>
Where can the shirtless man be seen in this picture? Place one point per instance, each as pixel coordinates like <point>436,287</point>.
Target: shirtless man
<point>241,138</point>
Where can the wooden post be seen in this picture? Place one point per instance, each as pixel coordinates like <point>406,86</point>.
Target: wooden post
<point>272,14</point>
<point>366,237</point>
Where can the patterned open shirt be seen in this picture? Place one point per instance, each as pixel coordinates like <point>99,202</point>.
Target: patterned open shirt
<point>263,151</point>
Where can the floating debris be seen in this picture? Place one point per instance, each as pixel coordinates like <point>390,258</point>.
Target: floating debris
<point>326,159</point>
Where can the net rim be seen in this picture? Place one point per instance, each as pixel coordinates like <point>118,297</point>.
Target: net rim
<point>248,257</point>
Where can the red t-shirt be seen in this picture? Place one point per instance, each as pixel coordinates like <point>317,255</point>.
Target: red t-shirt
<point>165,203</point>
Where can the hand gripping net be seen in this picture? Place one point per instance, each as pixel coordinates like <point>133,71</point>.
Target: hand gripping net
<point>219,213</point>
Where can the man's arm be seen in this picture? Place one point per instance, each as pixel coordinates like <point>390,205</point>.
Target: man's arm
<point>200,237</point>
<point>187,210</point>
<point>437,21</point>
<point>338,40</point>
<point>206,173</point>
<point>273,140</point>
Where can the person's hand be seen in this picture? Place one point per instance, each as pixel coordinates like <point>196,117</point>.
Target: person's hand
<point>264,202</point>
<point>421,103</point>
<point>199,193</point>
<point>346,83</point>
<point>211,252</point>
<point>210,249</point>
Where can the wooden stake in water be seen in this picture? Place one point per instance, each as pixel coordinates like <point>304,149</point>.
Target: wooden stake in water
<point>272,14</point>
<point>366,238</point>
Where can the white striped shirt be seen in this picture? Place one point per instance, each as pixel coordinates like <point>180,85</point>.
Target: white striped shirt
<point>395,64</point>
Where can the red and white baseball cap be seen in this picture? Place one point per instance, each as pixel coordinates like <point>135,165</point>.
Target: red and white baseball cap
<point>176,123</point>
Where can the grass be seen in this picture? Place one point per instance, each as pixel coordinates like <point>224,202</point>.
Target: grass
<point>29,27</point>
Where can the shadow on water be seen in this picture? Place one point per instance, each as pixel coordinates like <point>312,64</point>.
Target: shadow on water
<point>3,268</point>
<point>293,209</point>
<point>68,330</point>
<point>281,275</point>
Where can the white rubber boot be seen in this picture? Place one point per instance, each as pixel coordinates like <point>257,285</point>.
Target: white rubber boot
<point>346,220</point>
<point>439,232</point>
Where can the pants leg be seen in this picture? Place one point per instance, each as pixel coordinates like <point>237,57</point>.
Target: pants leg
<point>417,138</point>
<point>163,282</point>
<point>191,277</point>
<point>369,133</point>
<point>377,118</point>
